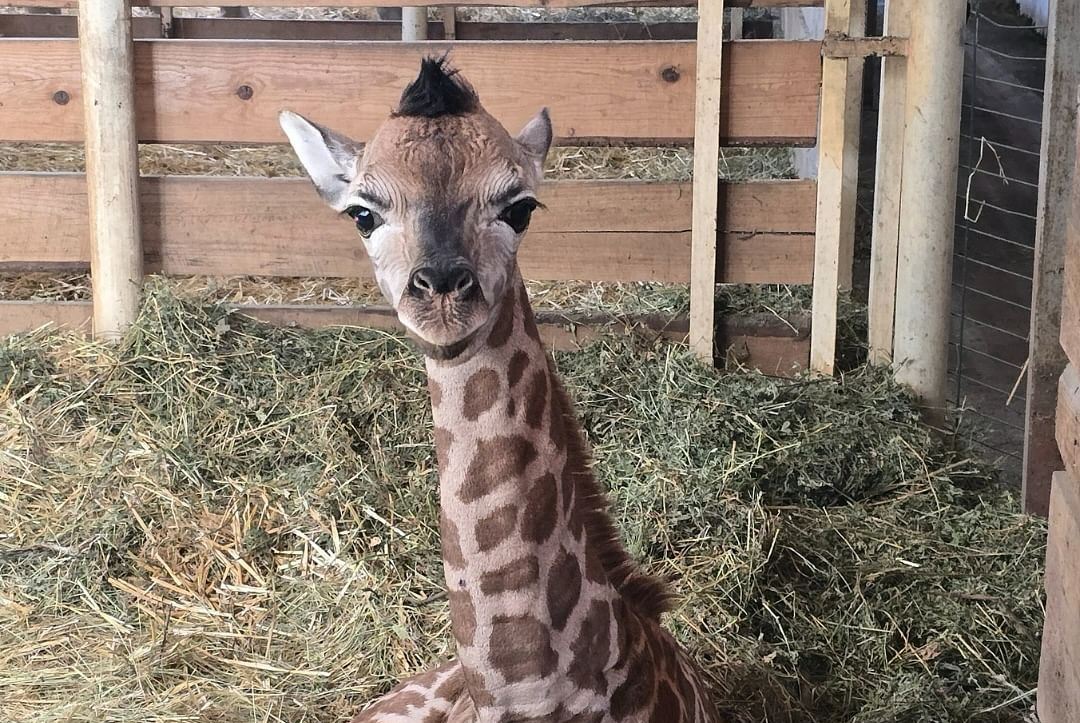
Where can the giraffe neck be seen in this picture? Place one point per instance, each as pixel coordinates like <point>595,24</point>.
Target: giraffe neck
<point>535,612</point>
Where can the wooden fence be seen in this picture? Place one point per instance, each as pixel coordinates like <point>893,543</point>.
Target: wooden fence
<point>225,80</point>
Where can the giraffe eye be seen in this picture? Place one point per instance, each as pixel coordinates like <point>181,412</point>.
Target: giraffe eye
<point>366,220</point>
<point>518,214</point>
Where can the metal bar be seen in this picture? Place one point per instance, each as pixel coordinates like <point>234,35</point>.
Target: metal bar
<point>988,295</point>
<point>996,238</point>
<point>969,350</point>
<point>988,325</point>
<point>1001,54</point>
<point>1008,179</point>
<point>987,204</point>
<point>999,144</point>
<point>1003,114</point>
<point>997,81</point>
<point>992,266</point>
<point>991,387</point>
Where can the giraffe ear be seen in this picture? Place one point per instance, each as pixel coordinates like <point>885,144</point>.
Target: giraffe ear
<point>329,158</point>
<point>535,138</point>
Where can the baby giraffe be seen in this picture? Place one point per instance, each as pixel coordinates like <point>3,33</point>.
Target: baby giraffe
<point>553,620</point>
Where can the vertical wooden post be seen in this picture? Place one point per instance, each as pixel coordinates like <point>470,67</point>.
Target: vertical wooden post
<point>1059,665</point>
<point>928,200</point>
<point>414,24</point>
<point>449,21</point>
<point>890,159</point>
<point>166,15</point>
<point>112,164</point>
<point>710,36</point>
<point>737,15</point>
<point>838,177</point>
<point>1046,360</point>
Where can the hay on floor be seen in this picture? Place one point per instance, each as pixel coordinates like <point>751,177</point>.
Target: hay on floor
<point>224,521</point>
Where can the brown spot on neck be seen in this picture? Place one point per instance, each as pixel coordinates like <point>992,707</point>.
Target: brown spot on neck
<point>493,529</point>
<point>481,392</point>
<point>515,575</point>
<point>521,648</point>
<point>495,462</point>
<point>563,588</point>
<point>537,397</point>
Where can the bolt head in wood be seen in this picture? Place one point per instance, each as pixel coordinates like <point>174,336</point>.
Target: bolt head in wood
<point>61,97</point>
<point>245,92</point>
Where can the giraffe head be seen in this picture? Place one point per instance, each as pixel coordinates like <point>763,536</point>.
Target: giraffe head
<point>441,197</point>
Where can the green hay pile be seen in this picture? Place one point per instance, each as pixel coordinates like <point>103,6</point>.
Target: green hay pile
<point>224,521</point>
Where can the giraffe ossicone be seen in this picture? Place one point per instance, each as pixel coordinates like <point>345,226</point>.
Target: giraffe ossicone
<point>553,620</point>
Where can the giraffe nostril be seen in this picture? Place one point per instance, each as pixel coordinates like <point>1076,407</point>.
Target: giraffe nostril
<point>457,281</point>
<point>422,281</point>
<point>465,280</point>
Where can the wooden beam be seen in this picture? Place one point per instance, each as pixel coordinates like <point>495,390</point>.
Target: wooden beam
<point>64,26</point>
<point>757,341</point>
<point>1058,200</point>
<point>414,23</point>
<point>838,45</point>
<point>1059,675</point>
<point>197,225</point>
<point>232,91</point>
<point>736,17</point>
<point>928,201</point>
<point>18,317</point>
<point>112,163</point>
<point>838,175</point>
<point>449,23</point>
<point>547,4</point>
<point>706,179</point>
<point>885,226</point>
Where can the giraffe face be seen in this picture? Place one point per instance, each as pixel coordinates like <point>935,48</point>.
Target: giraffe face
<point>441,198</point>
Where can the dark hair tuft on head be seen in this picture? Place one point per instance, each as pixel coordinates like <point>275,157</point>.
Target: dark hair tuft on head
<point>437,91</point>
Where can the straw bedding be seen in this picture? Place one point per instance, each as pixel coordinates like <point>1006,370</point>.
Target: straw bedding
<point>219,520</point>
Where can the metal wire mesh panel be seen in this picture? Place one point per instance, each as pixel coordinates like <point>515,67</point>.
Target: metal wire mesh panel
<point>995,231</point>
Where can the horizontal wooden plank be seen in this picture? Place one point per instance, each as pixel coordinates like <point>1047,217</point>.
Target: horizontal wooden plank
<point>1059,666</point>
<point>1068,419</point>
<point>187,90</point>
<point>546,4</point>
<point>591,230</point>
<point>17,317</point>
<point>758,341</point>
<point>66,26</point>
